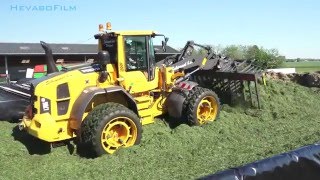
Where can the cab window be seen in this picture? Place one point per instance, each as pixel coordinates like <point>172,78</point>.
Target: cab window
<point>136,53</point>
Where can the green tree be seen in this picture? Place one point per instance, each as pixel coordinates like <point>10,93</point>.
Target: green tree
<point>269,58</point>
<point>234,52</point>
<point>252,52</point>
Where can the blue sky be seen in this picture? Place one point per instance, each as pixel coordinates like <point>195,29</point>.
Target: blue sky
<point>293,27</point>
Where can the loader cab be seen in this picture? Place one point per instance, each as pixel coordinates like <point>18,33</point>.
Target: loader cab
<point>137,69</point>
<point>139,55</point>
<point>132,53</point>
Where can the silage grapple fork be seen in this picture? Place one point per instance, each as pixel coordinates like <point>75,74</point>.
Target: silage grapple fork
<point>225,76</point>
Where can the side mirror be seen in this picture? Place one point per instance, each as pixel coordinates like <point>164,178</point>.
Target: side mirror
<point>164,44</point>
<point>103,57</point>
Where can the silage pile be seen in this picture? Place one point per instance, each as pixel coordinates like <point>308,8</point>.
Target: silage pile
<point>289,118</point>
<point>307,79</point>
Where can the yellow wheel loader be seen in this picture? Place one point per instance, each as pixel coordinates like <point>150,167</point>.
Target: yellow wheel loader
<point>104,104</point>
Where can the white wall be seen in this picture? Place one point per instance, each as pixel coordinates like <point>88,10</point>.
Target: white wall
<point>283,70</point>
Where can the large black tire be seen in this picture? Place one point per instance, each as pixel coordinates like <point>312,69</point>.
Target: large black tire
<point>108,127</point>
<point>201,106</point>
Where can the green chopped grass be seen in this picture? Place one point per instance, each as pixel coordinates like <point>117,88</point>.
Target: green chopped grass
<point>289,118</point>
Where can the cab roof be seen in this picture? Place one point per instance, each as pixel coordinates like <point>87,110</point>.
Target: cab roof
<point>135,32</point>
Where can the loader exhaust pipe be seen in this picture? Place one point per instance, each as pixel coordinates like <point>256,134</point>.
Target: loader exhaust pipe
<point>51,66</point>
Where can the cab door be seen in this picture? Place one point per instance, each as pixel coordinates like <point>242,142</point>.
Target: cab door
<point>139,60</point>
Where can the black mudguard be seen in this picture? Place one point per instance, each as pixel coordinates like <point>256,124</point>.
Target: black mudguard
<point>174,103</point>
<point>175,100</point>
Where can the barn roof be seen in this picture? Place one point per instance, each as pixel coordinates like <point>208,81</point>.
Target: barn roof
<point>59,49</point>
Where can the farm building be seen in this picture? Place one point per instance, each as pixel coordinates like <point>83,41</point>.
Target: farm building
<point>15,58</point>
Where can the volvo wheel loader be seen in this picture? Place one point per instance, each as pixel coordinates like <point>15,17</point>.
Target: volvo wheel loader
<point>104,105</point>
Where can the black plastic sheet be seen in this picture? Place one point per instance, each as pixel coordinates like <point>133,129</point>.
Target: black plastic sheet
<point>303,163</point>
<point>12,106</point>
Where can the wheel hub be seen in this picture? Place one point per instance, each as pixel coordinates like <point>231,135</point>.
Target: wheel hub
<point>207,110</point>
<point>120,132</point>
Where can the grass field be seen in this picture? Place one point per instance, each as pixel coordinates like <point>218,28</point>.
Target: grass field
<point>289,118</point>
<point>305,66</point>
